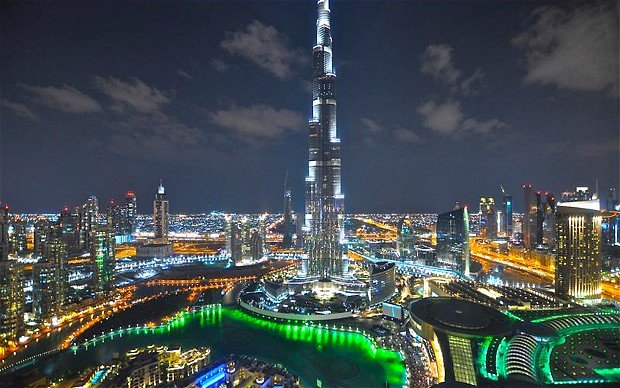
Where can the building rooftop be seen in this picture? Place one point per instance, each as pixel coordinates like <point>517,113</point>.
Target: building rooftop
<point>461,317</point>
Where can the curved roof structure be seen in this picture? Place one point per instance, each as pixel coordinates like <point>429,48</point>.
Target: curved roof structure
<point>461,317</point>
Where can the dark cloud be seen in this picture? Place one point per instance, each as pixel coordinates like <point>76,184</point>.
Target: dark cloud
<point>264,46</point>
<point>572,49</point>
<point>65,98</point>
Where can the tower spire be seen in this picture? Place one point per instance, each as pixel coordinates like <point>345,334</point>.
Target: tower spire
<point>324,199</point>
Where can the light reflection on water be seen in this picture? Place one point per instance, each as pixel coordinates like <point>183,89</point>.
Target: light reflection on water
<point>336,357</point>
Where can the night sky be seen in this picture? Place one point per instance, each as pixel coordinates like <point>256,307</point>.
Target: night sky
<point>437,102</point>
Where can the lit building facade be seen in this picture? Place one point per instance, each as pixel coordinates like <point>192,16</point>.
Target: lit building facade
<point>50,281</point>
<point>488,219</point>
<point>453,239</point>
<point>405,239</point>
<point>382,282</point>
<point>160,215</point>
<point>578,242</point>
<point>324,199</point>
<point>102,258</point>
<point>526,223</point>
<point>11,287</point>
<point>507,227</point>
<point>17,237</point>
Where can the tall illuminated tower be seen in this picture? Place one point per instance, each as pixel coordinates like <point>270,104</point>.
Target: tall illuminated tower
<point>160,215</point>
<point>578,239</point>
<point>11,287</point>
<point>324,200</point>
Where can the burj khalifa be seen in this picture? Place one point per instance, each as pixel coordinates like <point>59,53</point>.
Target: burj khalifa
<point>324,219</point>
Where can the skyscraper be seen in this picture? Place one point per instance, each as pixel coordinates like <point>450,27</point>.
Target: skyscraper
<point>160,215</point>
<point>405,239</point>
<point>287,215</point>
<point>488,219</point>
<point>527,216</point>
<point>453,239</point>
<point>17,237</point>
<point>540,219</point>
<point>578,240</point>
<point>324,199</point>
<point>102,258</point>
<point>88,218</point>
<point>11,287</point>
<point>41,233</point>
<point>129,214</point>
<point>506,213</point>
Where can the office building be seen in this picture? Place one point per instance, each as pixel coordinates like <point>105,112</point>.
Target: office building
<point>507,228</point>
<point>40,236</point>
<point>129,212</point>
<point>382,282</point>
<point>453,240</point>
<point>17,237</point>
<point>578,241</point>
<point>324,198</point>
<point>160,216</point>
<point>11,287</point>
<point>89,214</point>
<point>50,280</point>
<point>72,231</point>
<point>102,258</point>
<point>488,219</point>
<point>405,239</point>
<point>526,223</point>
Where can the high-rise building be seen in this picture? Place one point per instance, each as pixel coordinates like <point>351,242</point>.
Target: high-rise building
<point>50,280</point>
<point>129,212</point>
<point>160,215</point>
<point>405,239</point>
<point>578,242</point>
<point>41,233</point>
<point>287,216</point>
<point>527,216</point>
<point>233,239</point>
<point>11,287</point>
<point>17,237</point>
<point>72,233</point>
<point>256,244</point>
<point>88,218</point>
<point>324,198</point>
<point>453,239</point>
<point>506,213</point>
<point>382,282</point>
<point>102,258</point>
<point>488,219</point>
<point>540,219</point>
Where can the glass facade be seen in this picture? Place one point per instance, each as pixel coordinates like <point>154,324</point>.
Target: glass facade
<point>453,239</point>
<point>324,222</point>
<point>578,242</point>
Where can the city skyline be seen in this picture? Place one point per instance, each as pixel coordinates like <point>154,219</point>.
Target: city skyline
<point>434,116</point>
